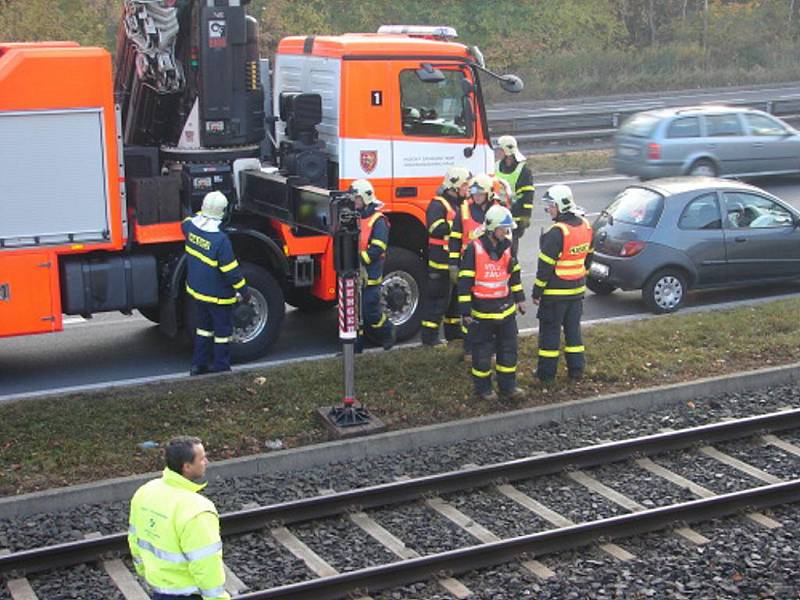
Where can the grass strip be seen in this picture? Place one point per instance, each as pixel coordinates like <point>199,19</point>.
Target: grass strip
<point>85,437</point>
<point>580,162</point>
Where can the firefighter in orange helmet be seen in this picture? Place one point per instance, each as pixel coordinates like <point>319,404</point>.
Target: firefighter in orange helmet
<point>564,258</point>
<point>372,246</point>
<point>489,294</point>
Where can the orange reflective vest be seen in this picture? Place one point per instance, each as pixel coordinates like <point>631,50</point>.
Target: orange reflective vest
<point>469,226</point>
<point>577,243</point>
<point>450,217</point>
<point>365,233</point>
<point>491,276</point>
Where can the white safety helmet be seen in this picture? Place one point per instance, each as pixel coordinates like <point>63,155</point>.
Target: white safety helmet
<point>508,144</point>
<point>364,189</point>
<point>481,184</point>
<point>214,205</point>
<point>498,216</point>
<point>561,196</point>
<point>456,177</point>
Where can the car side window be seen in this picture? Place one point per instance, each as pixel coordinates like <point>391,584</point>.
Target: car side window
<point>723,125</point>
<point>434,109</point>
<point>701,213</point>
<point>750,211</point>
<point>761,125</point>
<point>686,127</point>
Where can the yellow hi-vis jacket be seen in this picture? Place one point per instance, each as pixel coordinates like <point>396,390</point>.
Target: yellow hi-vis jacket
<point>174,538</point>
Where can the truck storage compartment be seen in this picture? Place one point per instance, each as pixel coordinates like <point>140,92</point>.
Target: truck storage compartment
<point>28,302</point>
<point>108,283</point>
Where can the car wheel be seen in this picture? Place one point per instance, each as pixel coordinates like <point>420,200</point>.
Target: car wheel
<point>599,287</point>
<point>665,291</point>
<point>405,278</point>
<point>703,168</point>
<point>151,313</point>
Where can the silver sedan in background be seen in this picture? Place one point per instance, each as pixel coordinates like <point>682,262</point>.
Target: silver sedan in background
<point>716,141</point>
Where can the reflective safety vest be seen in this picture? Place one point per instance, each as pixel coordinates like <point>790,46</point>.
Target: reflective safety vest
<point>511,178</point>
<point>174,538</point>
<point>491,276</point>
<point>471,229</point>
<point>577,243</point>
<point>366,230</point>
<point>450,217</point>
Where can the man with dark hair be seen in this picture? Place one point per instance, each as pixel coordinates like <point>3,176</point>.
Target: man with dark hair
<point>174,531</point>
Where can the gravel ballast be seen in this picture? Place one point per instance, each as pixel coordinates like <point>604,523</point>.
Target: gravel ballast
<point>742,559</point>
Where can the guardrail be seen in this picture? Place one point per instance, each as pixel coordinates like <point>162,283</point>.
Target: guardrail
<point>595,128</point>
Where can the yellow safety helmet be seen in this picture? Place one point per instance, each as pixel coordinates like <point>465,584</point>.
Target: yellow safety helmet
<point>561,196</point>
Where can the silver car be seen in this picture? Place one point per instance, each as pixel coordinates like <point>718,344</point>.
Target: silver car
<point>667,236</point>
<point>715,141</point>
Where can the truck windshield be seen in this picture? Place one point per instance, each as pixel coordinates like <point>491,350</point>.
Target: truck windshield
<point>434,109</point>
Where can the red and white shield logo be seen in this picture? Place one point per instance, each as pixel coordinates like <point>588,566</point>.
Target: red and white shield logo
<point>369,160</point>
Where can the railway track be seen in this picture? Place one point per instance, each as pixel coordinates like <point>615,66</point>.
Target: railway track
<point>399,560</point>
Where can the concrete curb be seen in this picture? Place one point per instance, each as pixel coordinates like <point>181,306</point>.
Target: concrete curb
<point>121,489</point>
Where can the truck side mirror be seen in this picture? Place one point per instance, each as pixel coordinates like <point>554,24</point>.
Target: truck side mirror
<point>511,83</point>
<point>428,74</point>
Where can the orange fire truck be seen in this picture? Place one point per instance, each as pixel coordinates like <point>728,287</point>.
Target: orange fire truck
<point>99,163</point>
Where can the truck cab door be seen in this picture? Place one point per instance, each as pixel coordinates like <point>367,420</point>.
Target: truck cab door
<point>436,124</point>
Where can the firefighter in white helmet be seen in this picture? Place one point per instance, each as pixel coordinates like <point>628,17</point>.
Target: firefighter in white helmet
<point>372,246</point>
<point>514,169</point>
<point>490,293</point>
<point>442,302</point>
<point>565,253</point>
<point>215,281</point>
<point>468,226</point>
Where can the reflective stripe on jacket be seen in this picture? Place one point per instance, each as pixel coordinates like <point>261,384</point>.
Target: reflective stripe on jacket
<point>471,229</point>
<point>491,276</point>
<point>373,242</point>
<point>565,252</point>
<point>174,539</point>
<point>450,215</point>
<point>213,274</point>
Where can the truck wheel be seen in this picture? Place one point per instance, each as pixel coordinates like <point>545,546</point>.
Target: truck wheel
<point>255,337</point>
<point>151,313</point>
<point>404,280</point>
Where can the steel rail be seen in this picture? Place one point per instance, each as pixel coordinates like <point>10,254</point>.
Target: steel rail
<point>373,579</point>
<point>305,509</point>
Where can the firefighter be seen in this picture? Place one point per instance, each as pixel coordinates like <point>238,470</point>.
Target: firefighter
<point>564,257</point>
<point>514,169</point>
<point>466,228</point>
<point>213,280</point>
<point>372,245</point>
<point>490,293</point>
<point>173,532</point>
<point>442,292</point>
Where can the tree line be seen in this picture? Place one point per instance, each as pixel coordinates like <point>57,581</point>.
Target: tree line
<point>561,47</point>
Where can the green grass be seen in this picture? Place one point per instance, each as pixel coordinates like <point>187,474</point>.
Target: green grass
<point>65,440</point>
<point>581,161</point>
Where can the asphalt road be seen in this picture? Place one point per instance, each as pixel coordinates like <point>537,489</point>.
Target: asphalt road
<point>113,347</point>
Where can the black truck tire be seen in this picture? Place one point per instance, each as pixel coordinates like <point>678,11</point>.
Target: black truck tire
<point>405,279</point>
<point>256,338</point>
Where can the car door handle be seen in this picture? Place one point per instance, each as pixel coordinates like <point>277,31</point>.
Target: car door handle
<point>740,240</point>
<point>758,144</point>
<point>712,146</point>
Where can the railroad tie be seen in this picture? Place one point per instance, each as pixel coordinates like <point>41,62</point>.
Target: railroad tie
<point>125,581</point>
<point>557,519</point>
<point>593,485</point>
<point>482,534</point>
<point>699,490</point>
<point>774,440</point>
<point>740,465</point>
<point>19,589</point>
<point>398,547</point>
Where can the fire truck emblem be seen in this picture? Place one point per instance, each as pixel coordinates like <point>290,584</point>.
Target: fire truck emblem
<point>369,160</point>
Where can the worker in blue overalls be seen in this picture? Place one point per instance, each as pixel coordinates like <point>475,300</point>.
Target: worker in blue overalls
<point>215,282</point>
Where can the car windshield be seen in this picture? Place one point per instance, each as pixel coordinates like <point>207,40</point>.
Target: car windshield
<point>636,206</point>
<point>640,125</point>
